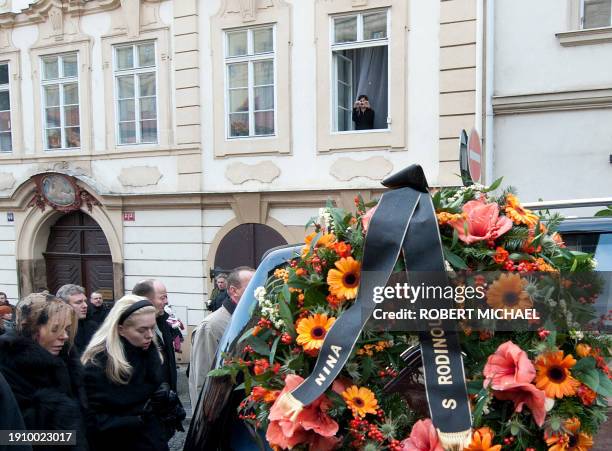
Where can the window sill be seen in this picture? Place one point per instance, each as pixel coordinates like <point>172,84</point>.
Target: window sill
<point>585,37</point>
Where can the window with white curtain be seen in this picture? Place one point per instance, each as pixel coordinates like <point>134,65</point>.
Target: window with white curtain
<point>5,110</point>
<point>61,115</point>
<point>135,73</point>
<point>359,49</point>
<point>250,82</point>
<point>595,13</point>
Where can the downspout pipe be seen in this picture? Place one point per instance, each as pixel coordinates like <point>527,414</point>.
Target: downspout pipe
<point>489,88</point>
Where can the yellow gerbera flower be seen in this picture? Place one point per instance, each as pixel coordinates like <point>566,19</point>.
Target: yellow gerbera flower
<point>519,215</point>
<point>360,400</point>
<point>344,281</point>
<point>325,240</point>
<point>508,292</point>
<point>553,374</point>
<point>312,330</point>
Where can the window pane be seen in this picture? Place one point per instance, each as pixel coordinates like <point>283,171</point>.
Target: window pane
<point>237,75</point>
<point>127,110</point>
<point>147,108</point>
<point>53,117</point>
<point>125,57</point>
<point>596,13</point>
<point>263,40</point>
<point>5,103</point>
<point>52,95</point>
<point>71,115</point>
<point>343,120</point>
<point>239,124</point>
<point>237,43</point>
<point>54,139</point>
<point>71,94</point>
<point>264,98</point>
<point>70,65</point>
<point>5,142</point>
<point>125,87</point>
<point>375,26</point>
<point>239,100</point>
<point>127,132</point>
<point>263,73</point>
<point>345,29</point>
<point>146,55</point>
<point>5,121</point>
<point>73,137</point>
<point>344,95</point>
<point>344,70</point>
<point>148,131</point>
<point>264,123</point>
<point>4,74</point>
<point>50,68</point>
<point>147,84</point>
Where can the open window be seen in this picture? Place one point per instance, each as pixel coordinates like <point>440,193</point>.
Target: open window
<point>360,61</point>
<point>5,110</point>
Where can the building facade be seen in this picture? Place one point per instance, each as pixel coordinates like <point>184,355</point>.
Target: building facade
<point>551,97</point>
<point>166,138</point>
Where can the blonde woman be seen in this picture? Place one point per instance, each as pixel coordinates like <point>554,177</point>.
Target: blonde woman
<point>42,368</point>
<point>130,405</point>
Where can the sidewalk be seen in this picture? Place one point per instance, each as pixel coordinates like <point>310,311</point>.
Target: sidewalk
<point>176,443</point>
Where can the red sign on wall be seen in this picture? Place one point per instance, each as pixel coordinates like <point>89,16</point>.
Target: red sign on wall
<point>129,216</point>
<point>475,156</point>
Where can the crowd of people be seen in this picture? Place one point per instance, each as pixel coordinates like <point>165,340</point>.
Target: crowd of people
<point>69,363</point>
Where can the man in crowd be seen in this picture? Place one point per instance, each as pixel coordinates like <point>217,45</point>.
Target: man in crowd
<point>155,291</point>
<point>97,311</point>
<point>206,336</point>
<point>221,294</point>
<point>7,314</point>
<point>74,295</point>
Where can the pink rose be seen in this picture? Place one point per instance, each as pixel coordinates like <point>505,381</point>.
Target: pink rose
<point>508,365</point>
<point>509,373</point>
<point>423,437</point>
<point>482,222</point>
<point>365,219</point>
<point>312,426</point>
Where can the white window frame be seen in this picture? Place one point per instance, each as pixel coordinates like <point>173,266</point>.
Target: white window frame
<point>134,72</point>
<point>7,87</point>
<point>60,81</point>
<point>249,58</point>
<point>582,16</point>
<point>359,43</point>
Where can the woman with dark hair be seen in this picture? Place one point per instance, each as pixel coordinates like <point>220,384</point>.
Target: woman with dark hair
<point>131,407</point>
<point>42,368</point>
<point>363,114</point>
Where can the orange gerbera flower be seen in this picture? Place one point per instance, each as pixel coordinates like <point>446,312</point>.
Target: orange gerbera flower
<point>360,400</point>
<point>517,213</point>
<point>312,331</point>
<point>325,240</point>
<point>344,281</point>
<point>482,440</point>
<point>553,374</point>
<point>342,248</point>
<point>508,292</point>
<point>573,440</point>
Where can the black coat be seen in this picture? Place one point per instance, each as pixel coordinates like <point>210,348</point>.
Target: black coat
<point>48,388</point>
<point>217,302</point>
<point>85,331</point>
<point>167,349</point>
<point>98,314</point>
<point>363,120</point>
<point>119,419</point>
<point>11,415</point>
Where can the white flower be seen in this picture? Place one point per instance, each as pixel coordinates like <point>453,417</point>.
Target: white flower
<point>576,334</point>
<point>260,293</point>
<point>549,403</point>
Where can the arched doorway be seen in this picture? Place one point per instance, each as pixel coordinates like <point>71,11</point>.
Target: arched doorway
<point>245,245</point>
<point>77,252</point>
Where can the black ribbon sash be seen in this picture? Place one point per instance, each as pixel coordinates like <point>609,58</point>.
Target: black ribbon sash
<point>404,221</point>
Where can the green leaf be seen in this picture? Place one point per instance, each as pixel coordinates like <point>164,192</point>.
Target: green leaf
<point>455,238</point>
<point>285,313</point>
<point>585,364</point>
<point>605,385</point>
<point>259,345</point>
<point>454,259</point>
<point>514,429</point>
<point>494,185</point>
<point>367,366</point>
<point>606,212</point>
<point>273,349</point>
<point>589,378</point>
<point>246,335</point>
<point>225,371</point>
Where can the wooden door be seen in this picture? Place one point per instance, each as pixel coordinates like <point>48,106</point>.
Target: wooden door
<point>78,252</point>
<point>245,245</point>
